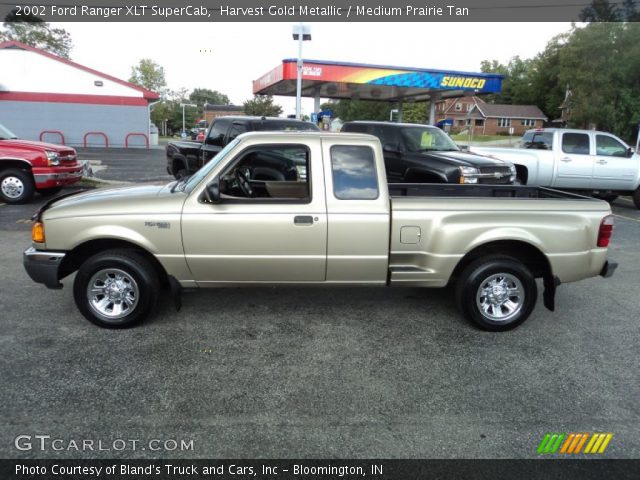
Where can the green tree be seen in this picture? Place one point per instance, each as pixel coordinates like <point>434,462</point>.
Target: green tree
<point>601,64</point>
<point>415,112</point>
<point>34,31</point>
<point>200,96</point>
<point>169,110</point>
<point>262,106</point>
<point>148,74</point>
<point>517,87</point>
<point>600,11</point>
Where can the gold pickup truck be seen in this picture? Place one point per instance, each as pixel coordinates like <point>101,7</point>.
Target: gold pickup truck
<point>314,208</point>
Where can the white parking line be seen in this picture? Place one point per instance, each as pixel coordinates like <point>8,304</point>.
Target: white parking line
<point>2,204</point>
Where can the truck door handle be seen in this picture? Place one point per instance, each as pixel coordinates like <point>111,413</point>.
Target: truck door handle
<point>565,159</point>
<point>602,162</point>
<point>303,220</point>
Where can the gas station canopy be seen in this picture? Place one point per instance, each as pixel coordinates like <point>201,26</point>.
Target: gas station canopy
<point>337,80</point>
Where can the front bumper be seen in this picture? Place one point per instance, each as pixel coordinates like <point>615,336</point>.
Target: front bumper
<point>43,267</point>
<point>57,176</point>
<point>608,269</point>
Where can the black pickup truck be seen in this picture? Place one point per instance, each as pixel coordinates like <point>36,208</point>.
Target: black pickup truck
<point>425,154</point>
<point>186,157</point>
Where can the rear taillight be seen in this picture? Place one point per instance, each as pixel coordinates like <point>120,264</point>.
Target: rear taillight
<point>605,231</point>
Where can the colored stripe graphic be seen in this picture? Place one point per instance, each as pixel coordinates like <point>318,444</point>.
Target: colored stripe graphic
<point>550,443</point>
<point>598,443</point>
<point>572,443</point>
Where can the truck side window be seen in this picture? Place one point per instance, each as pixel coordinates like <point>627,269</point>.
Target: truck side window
<point>577,143</point>
<point>609,147</point>
<point>216,134</point>
<point>269,172</point>
<point>354,172</point>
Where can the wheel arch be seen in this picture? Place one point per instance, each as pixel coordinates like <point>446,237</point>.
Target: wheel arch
<point>76,257</point>
<point>522,173</point>
<point>179,162</point>
<point>21,164</point>
<point>530,255</point>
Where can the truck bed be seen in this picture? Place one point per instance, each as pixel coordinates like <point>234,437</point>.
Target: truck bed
<point>480,191</point>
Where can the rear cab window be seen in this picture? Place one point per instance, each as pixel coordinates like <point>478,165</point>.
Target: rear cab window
<point>354,172</point>
<point>537,140</point>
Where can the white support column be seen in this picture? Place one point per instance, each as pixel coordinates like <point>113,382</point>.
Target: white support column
<point>435,97</point>
<point>316,102</point>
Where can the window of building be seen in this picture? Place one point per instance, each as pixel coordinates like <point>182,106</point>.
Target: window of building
<point>354,173</point>
<point>528,122</point>
<point>458,107</point>
<point>504,122</point>
<point>479,122</point>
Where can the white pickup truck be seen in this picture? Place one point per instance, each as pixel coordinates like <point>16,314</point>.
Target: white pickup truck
<point>315,209</point>
<point>580,160</point>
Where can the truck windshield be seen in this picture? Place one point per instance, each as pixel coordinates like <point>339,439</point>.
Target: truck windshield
<point>6,134</point>
<point>425,139</point>
<point>195,179</point>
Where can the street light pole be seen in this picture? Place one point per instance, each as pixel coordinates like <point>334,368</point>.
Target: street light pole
<point>301,33</point>
<point>183,105</point>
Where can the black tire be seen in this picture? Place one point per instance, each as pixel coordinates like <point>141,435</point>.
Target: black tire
<point>48,192</point>
<point>16,186</point>
<point>508,272</point>
<point>607,197</point>
<point>127,271</point>
<point>636,198</point>
<point>180,174</point>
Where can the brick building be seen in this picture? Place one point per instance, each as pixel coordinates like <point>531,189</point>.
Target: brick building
<point>488,118</point>
<point>213,111</point>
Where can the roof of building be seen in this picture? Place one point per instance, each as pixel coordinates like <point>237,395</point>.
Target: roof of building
<point>491,110</point>
<point>147,94</point>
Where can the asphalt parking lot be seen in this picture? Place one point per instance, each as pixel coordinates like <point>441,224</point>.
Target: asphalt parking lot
<point>315,373</point>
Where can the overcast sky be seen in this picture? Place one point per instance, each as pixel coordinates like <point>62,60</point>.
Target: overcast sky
<point>228,56</point>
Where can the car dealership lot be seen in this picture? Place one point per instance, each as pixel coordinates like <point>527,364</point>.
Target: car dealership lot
<point>303,372</point>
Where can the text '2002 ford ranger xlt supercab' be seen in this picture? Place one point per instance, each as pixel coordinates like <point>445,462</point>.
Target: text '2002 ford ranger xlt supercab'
<point>326,216</point>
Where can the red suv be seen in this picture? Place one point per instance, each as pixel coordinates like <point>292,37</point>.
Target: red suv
<point>27,167</point>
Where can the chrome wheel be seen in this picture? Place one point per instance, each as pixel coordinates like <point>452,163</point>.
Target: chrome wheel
<point>500,297</point>
<point>12,187</point>
<point>112,293</point>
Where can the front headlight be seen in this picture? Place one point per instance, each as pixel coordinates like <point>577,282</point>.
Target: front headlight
<point>52,158</point>
<point>468,174</point>
<point>514,173</point>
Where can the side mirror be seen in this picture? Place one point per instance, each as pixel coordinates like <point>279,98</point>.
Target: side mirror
<point>464,148</point>
<point>211,192</point>
<point>630,152</point>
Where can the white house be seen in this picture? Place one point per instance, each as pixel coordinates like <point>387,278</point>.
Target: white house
<point>45,97</point>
